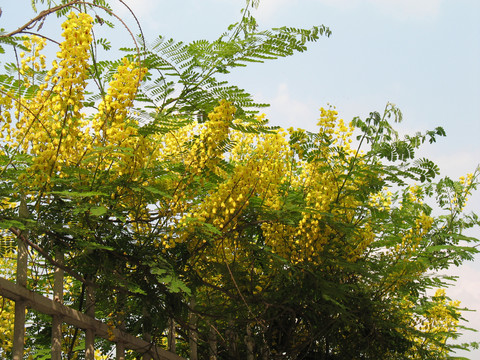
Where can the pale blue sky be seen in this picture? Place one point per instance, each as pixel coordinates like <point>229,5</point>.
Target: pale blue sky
<point>423,55</point>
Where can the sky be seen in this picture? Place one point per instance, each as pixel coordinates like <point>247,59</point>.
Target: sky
<point>422,55</point>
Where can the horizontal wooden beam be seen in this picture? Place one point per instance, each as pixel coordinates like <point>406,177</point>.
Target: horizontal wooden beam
<point>76,318</point>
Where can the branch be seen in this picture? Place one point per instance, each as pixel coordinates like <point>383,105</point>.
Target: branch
<point>52,261</point>
<point>39,17</point>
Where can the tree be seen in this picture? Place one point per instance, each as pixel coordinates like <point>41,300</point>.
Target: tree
<point>167,193</point>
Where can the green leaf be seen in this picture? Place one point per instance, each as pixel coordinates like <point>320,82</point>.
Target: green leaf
<point>177,286</point>
<point>98,211</point>
<point>94,246</point>
<point>154,190</point>
<point>157,271</point>
<point>7,224</point>
<point>135,289</point>
<point>78,194</point>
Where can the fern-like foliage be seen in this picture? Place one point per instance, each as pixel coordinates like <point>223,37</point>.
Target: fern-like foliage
<point>184,77</point>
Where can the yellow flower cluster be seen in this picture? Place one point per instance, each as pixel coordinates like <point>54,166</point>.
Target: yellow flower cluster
<point>7,307</point>
<point>113,130</point>
<point>404,252</point>
<point>335,129</point>
<point>74,54</point>
<point>459,200</point>
<point>442,317</point>
<point>321,181</point>
<point>109,123</point>
<point>49,124</point>
<point>466,181</point>
<point>382,200</point>
<point>415,194</point>
<point>413,236</point>
<point>35,62</point>
<point>7,315</point>
<point>206,152</point>
<point>6,108</point>
<point>258,175</point>
<point>440,320</point>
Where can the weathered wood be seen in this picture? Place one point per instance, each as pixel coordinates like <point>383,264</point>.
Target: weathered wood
<point>20,306</point>
<point>120,351</point>
<point>147,328</point>
<point>71,316</point>
<point>120,317</point>
<point>212,343</point>
<point>90,332</point>
<point>56,319</point>
<point>171,338</point>
<point>232,339</point>
<point>250,344</point>
<point>193,331</point>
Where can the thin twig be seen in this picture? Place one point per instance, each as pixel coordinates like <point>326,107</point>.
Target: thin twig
<point>52,261</point>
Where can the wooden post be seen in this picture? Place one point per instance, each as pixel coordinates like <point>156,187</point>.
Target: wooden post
<point>148,338</point>
<point>265,352</point>
<point>20,305</point>
<point>250,344</point>
<point>212,343</point>
<point>120,318</point>
<point>21,277</point>
<point>232,338</point>
<point>192,331</point>
<point>45,305</point>
<point>58,297</point>
<point>90,332</point>
<point>120,351</point>
<point>147,331</point>
<point>171,335</point>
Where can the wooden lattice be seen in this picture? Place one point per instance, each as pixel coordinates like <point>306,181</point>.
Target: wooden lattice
<point>60,313</point>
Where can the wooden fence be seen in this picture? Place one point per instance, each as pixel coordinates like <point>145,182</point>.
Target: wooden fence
<point>60,313</point>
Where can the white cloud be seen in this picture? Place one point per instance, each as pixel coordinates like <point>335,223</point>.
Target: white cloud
<point>267,8</point>
<point>402,9</point>
<point>139,7</point>
<point>457,164</point>
<point>467,290</point>
<point>341,4</point>
<point>286,111</point>
<point>146,12</point>
<point>407,9</point>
